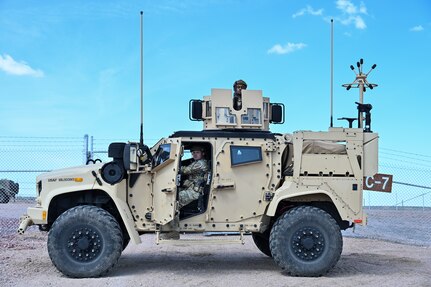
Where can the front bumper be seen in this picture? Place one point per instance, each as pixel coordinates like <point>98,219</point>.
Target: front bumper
<point>35,216</point>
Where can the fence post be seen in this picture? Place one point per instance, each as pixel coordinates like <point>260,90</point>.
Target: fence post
<point>85,148</point>
<point>91,148</point>
<point>396,200</point>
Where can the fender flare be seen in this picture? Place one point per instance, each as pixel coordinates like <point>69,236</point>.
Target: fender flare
<point>121,205</point>
<point>272,207</point>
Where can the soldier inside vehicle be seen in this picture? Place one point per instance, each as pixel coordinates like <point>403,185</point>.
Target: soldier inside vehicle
<point>195,174</point>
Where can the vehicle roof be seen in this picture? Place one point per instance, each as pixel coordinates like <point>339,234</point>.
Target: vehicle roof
<point>234,133</point>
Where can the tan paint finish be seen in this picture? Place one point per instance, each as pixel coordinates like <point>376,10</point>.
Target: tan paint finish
<point>243,197</point>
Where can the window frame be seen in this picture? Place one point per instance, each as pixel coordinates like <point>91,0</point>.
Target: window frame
<point>232,150</point>
<point>170,158</point>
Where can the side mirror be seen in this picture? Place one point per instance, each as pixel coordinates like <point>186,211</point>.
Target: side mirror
<point>130,156</point>
<point>195,110</point>
<point>277,113</point>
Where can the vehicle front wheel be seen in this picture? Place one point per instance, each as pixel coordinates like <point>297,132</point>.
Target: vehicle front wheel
<point>85,241</point>
<point>262,242</point>
<point>306,241</point>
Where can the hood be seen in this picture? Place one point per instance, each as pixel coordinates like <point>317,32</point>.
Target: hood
<point>70,171</point>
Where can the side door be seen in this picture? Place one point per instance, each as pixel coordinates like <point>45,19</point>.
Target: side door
<point>243,177</point>
<point>164,177</point>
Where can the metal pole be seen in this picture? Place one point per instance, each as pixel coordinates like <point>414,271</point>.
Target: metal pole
<point>396,200</point>
<point>85,148</point>
<point>369,201</point>
<point>141,141</point>
<point>91,148</point>
<point>361,100</point>
<point>332,72</point>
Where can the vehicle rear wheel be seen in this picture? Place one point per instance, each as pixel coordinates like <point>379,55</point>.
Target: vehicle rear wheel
<point>85,241</point>
<point>262,242</point>
<point>306,241</point>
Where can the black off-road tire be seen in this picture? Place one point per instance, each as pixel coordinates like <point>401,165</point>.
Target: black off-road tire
<point>85,241</point>
<point>262,242</point>
<point>306,241</point>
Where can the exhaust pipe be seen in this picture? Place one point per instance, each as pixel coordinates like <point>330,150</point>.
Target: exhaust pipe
<point>25,222</point>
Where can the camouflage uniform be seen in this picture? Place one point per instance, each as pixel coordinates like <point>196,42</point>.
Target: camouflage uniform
<point>196,173</point>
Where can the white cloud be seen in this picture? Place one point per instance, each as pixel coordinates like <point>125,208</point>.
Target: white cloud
<point>308,10</point>
<point>346,6</point>
<point>356,20</point>
<point>351,13</point>
<point>10,66</point>
<point>417,28</point>
<point>360,23</point>
<point>286,49</point>
<point>363,9</point>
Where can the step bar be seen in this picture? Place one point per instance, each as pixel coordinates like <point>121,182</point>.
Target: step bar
<point>180,241</point>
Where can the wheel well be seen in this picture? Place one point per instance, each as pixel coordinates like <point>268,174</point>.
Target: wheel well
<point>327,205</point>
<point>99,198</point>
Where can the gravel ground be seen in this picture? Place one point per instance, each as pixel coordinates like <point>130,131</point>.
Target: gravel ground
<point>24,259</point>
<point>407,226</point>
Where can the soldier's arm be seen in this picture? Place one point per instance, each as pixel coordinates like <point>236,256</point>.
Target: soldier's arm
<point>196,167</point>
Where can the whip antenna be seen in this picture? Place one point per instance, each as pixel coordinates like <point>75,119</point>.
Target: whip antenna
<point>141,141</point>
<point>332,71</point>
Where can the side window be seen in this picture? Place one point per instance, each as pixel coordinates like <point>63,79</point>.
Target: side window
<point>245,154</point>
<point>162,154</point>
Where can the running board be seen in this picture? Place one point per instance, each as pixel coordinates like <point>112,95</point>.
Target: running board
<point>199,241</point>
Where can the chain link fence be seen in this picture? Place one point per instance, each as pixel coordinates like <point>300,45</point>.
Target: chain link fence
<point>402,215</point>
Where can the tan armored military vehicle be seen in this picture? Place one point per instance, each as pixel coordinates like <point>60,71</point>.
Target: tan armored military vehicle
<point>293,193</point>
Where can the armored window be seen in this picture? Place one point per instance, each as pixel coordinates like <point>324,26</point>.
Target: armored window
<point>245,154</point>
<point>224,117</point>
<point>253,117</point>
<point>162,154</point>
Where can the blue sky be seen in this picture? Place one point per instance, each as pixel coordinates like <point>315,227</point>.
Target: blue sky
<point>69,68</point>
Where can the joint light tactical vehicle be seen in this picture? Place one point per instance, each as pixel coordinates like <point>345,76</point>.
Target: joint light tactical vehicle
<point>292,192</point>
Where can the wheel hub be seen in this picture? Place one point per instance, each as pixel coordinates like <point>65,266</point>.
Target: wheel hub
<point>84,244</point>
<point>308,243</point>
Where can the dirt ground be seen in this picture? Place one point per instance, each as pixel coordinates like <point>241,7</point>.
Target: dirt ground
<point>24,261</point>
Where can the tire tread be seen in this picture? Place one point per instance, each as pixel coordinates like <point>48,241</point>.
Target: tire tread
<point>102,215</point>
<point>287,218</point>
